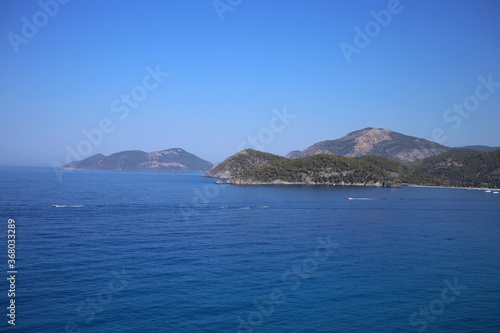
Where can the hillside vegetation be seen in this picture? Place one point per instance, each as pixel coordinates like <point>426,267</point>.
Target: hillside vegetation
<point>333,169</point>
<point>244,160</point>
<point>463,167</point>
<point>458,167</point>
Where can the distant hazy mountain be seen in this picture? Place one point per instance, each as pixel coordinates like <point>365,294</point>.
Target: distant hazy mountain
<point>376,141</point>
<point>244,160</point>
<point>170,160</point>
<point>480,148</point>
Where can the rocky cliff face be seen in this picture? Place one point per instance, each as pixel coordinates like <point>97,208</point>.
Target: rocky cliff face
<point>244,160</point>
<point>170,160</point>
<point>292,153</point>
<point>376,141</point>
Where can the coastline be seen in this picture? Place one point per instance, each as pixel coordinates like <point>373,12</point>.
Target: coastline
<point>239,183</point>
<point>457,187</point>
<point>228,182</point>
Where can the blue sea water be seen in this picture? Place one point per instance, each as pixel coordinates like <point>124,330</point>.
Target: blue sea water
<point>163,252</point>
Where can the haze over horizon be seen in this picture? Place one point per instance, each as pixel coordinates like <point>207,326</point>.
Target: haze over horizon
<point>202,77</point>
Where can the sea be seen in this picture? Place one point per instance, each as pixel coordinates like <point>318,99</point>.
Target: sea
<point>117,251</point>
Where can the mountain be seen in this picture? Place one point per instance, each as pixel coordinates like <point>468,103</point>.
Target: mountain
<point>170,160</point>
<point>464,167</point>
<point>244,160</point>
<point>486,149</point>
<point>457,167</point>
<point>376,141</point>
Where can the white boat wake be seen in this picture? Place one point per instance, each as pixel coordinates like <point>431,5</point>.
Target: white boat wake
<point>349,198</point>
<point>247,207</point>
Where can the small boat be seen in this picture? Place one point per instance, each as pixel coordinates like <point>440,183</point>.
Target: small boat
<point>488,191</point>
<point>349,198</point>
<point>496,192</point>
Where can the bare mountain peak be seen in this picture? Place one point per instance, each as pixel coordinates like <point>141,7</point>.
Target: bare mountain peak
<point>367,131</point>
<point>173,151</point>
<point>366,140</point>
<point>376,141</point>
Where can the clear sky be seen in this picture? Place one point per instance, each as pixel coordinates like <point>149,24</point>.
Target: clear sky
<point>77,66</point>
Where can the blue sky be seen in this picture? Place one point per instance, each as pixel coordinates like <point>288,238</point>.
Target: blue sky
<point>227,79</point>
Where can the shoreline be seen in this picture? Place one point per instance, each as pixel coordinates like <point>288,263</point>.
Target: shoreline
<point>456,187</point>
<point>227,182</point>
